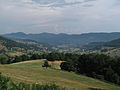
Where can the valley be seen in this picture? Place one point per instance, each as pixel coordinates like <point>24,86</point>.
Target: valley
<point>20,66</point>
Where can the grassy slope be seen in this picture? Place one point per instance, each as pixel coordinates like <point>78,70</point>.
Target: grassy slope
<point>32,72</point>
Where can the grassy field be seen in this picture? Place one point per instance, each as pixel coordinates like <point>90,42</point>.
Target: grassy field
<point>33,72</point>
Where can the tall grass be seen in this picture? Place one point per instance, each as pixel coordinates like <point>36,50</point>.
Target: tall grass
<point>7,84</point>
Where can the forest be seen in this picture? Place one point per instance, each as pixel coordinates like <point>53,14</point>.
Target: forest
<point>97,66</point>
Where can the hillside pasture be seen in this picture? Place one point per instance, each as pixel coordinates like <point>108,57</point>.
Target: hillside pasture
<point>33,72</point>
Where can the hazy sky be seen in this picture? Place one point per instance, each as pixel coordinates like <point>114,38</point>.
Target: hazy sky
<point>59,16</point>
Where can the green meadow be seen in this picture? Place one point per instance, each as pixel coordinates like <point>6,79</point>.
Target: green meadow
<point>33,72</point>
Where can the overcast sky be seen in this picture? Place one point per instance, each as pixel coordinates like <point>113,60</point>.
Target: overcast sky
<point>59,16</point>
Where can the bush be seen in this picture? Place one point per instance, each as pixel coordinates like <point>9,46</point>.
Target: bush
<point>101,77</point>
<point>46,64</point>
<point>3,59</point>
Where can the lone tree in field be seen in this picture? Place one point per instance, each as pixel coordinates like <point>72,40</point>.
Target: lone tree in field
<point>46,64</point>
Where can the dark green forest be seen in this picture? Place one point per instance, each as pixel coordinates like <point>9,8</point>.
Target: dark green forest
<point>94,65</point>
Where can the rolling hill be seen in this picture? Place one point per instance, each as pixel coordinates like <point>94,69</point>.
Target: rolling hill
<point>113,43</point>
<point>74,40</point>
<point>21,46</point>
<point>7,44</point>
<point>33,72</point>
<point>111,48</point>
<point>97,45</point>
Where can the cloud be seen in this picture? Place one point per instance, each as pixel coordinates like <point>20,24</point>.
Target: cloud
<point>59,16</point>
<point>73,1</point>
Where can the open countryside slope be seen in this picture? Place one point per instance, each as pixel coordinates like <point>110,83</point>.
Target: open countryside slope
<point>33,72</point>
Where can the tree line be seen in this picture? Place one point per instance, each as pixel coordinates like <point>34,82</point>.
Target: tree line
<point>5,59</point>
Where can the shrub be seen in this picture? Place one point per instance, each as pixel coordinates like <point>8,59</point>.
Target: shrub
<point>46,64</point>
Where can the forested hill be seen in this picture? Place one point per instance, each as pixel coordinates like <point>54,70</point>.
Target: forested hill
<point>96,45</point>
<point>113,43</point>
<point>66,39</point>
<point>7,45</point>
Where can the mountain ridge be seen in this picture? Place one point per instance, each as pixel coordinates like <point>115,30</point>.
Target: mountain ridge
<point>76,40</point>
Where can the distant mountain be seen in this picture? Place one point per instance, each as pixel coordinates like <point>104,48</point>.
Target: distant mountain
<point>76,40</point>
<point>96,45</point>
<point>93,45</point>
<point>113,43</point>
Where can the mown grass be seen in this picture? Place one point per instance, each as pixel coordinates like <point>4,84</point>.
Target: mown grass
<point>33,72</point>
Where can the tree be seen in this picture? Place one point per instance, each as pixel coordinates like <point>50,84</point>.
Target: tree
<point>3,59</point>
<point>46,64</point>
<point>35,56</point>
<point>25,57</point>
<point>68,66</point>
<point>115,78</point>
<point>17,59</point>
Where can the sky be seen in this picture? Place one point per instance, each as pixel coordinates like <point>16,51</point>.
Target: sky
<point>59,16</point>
